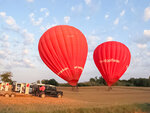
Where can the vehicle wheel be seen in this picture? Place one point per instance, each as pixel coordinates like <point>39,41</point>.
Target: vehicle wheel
<point>6,95</point>
<point>12,95</point>
<point>42,95</point>
<point>59,96</point>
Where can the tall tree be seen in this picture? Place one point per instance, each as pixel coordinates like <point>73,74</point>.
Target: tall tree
<point>6,77</point>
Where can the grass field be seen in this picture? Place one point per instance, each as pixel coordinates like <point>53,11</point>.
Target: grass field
<point>85,100</point>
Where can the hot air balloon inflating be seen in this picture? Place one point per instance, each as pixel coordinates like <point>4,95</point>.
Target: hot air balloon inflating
<point>64,50</point>
<point>112,60</point>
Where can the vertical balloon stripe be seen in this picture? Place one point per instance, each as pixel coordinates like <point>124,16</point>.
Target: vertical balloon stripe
<point>45,57</point>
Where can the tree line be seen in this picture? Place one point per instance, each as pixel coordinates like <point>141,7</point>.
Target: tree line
<point>97,81</point>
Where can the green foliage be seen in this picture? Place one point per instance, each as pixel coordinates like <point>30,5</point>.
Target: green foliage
<point>38,82</point>
<point>101,82</point>
<point>6,77</point>
<point>50,81</point>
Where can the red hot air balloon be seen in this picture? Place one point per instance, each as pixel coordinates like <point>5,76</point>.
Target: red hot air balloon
<point>64,50</point>
<point>112,60</point>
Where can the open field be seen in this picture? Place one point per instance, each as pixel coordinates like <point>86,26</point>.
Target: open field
<point>87,99</point>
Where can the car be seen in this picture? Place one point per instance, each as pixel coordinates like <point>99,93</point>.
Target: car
<point>48,90</point>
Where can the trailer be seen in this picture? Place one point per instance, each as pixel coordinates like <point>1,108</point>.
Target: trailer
<point>7,94</point>
<point>16,89</point>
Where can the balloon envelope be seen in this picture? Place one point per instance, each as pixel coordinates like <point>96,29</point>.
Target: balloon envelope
<point>112,60</point>
<point>64,50</point>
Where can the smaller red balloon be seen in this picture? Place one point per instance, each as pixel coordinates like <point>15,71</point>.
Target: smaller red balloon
<point>112,60</point>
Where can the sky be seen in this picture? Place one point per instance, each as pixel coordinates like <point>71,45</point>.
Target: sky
<point>22,23</point>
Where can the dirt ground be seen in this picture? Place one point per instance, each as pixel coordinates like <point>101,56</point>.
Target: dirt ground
<point>87,97</point>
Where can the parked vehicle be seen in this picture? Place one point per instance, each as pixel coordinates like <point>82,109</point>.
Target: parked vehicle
<point>43,90</point>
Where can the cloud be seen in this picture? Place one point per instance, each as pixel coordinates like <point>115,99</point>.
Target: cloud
<point>142,46</point>
<point>34,22</point>
<point>2,54</point>
<point>87,2</point>
<point>66,19</point>
<point>45,10</point>
<point>125,27</point>
<point>147,33</point>
<point>25,51</point>
<point>4,37</point>
<point>30,0</point>
<point>12,25</point>
<point>109,38</point>
<point>9,21</point>
<point>29,37</point>
<point>126,2</point>
<point>87,18</point>
<point>147,14</point>
<point>93,42</point>
<point>116,21</point>
<point>5,44</point>
<point>122,13</point>
<point>77,8</point>
<point>106,16</point>
<point>132,10</point>
<point>3,14</point>
<point>28,63</point>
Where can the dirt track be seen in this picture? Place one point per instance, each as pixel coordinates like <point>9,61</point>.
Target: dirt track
<point>88,97</point>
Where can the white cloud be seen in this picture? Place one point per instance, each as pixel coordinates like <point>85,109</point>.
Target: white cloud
<point>109,38</point>
<point>142,46</point>
<point>2,54</point>
<point>42,9</point>
<point>25,51</point>
<point>148,53</point>
<point>106,16</point>
<point>29,37</point>
<point>132,10</point>
<point>5,44</point>
<point>88,18</point>
<point>125,27</point>
<point>93,42</point>
<point>4,37</point>
<point>126,2</point>
<point>10,21</point>
<point>147,33</point>
<point>88,2</point>
<point>77,8</point>
<point>116,21</point>
<point>3,14</point>
<point>46,14</point>
<point>66,19</point>
<point>45,10</point>
<point>72,8</point>
<point>147,14</point>
<point>30,0</point>
<point>34,22</point>
<point>28,63</point>
<point>122,13</point>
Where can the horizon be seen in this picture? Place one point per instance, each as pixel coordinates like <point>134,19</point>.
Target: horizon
<point>22,23</point>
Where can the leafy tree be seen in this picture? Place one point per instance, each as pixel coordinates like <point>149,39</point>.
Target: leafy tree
<point>6,77</point>
<point>92,81</point>
<point>38,82</point>
<point>51,82</point>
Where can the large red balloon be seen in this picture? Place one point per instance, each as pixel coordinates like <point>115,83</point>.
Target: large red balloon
<point>64,50</point>
<point>112,60</point>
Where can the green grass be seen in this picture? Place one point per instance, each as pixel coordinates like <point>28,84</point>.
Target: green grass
<point>36,108</point>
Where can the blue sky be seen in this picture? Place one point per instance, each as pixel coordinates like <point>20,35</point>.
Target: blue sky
<point>22,22</point>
